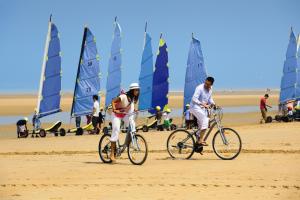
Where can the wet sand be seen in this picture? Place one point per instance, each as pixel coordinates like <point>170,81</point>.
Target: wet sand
<point>25,104</point>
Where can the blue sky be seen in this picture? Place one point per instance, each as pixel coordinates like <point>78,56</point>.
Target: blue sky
<point>243,42</point>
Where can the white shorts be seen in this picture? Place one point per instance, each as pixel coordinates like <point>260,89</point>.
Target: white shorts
<point>202,118</point>
<point>116,124</point>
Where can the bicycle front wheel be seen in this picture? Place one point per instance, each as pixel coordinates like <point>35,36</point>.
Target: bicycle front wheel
<point>227,144</point>
<point>180,144</point>
<point>104,148</point>
<point>137,150</point>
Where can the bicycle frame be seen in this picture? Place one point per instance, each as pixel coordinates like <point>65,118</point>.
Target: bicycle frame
<point>130,136</point>
<point>215,122</point>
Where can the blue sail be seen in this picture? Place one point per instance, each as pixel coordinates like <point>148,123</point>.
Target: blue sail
<point>146,75</point>
<point>88,76</point>
<point>289,89</point>
<point>113,83</point>
<point>160,88</point>
<point>195,71</point>
<point>50,87</point>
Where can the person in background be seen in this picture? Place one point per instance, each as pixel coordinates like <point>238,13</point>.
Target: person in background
<point>22,127</point>
<point>101,118</point>
<point>78,121</point>
<point>188,117</point>
<point>263,107</point>
<point>158,117</point>
<point>36,123</point>
<point>290,111</point>
<point>88,119</point>
<point>95,118</point>
<point>166,117</point>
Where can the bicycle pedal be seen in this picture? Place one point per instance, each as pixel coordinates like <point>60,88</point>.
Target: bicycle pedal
<point>198,148</point>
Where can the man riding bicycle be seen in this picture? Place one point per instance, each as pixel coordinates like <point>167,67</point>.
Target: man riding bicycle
<point>123,109</point>
<point>201,101</point>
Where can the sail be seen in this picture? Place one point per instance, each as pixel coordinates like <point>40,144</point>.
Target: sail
<point>146,75</point>
<point>298,45</point>
<point>87,81</point>
<point>195,71</point>
<point>289,87</point>
<point>160,88</point>
<point>50,82</point>
<point>113,83</point>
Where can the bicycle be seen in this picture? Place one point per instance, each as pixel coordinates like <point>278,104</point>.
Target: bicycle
<point>226,142</point>
<point>136,145</point>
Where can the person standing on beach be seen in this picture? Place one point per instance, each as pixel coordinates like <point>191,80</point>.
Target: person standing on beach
<point>263,107</point>
<point>201,101</point>
<point>95,118</point>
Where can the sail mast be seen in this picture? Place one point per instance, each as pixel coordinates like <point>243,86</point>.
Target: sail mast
<point>78,68</point>
<point>44,65</point>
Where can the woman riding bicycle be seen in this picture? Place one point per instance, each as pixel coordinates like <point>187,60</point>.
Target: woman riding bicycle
<point>122,109</point>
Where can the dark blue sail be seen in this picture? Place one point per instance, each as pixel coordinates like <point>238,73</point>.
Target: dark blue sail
<point>195,71</point>
<point>88,76</point>
<point>50,85</point>
<point>160,88</point>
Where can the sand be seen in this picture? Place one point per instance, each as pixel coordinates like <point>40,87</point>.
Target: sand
<point>69,168</point>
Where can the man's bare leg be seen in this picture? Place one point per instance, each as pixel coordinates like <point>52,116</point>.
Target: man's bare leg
<point>201,137</point>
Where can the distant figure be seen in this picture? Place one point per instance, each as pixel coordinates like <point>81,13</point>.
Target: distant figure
<point>290,111</point>
<point>95,118</point>
<point>22,130</point>
<point>88,119</point>
<point>36,123</point>
<point>158,117</point>
<point>263,107</point>
<point>166,117</point>
<point>78,121</point>
<point>189,118</point>
<point>101,118</point>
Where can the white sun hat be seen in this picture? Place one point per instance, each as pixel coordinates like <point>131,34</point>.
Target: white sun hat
<point>134,86</point>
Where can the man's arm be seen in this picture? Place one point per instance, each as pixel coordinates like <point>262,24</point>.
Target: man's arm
<point>211,102</point>
<point>196,95</point>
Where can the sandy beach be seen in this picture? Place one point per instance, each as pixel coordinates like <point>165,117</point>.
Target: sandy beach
<point>69,167</point>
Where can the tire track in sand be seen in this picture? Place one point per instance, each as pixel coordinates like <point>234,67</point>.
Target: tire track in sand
<point>256,151</point>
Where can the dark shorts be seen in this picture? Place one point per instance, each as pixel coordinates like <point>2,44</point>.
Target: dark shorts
<point>95,121</point>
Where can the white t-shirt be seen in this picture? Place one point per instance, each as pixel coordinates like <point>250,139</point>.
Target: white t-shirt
<point>96,108</point>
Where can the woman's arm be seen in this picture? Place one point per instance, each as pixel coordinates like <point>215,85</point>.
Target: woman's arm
<point>113,104</point>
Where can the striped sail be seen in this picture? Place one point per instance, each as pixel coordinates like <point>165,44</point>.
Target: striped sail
<point>87,81</point>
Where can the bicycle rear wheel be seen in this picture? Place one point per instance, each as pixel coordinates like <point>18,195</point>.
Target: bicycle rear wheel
<point>180,144</point>
<point>232,146</point>
<point>137,150</point>
<point>104,148</point>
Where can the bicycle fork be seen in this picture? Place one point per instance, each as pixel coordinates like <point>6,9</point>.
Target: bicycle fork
<point>220,128</point>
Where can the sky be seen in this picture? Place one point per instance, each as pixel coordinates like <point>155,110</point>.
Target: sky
<point>243,41</point>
